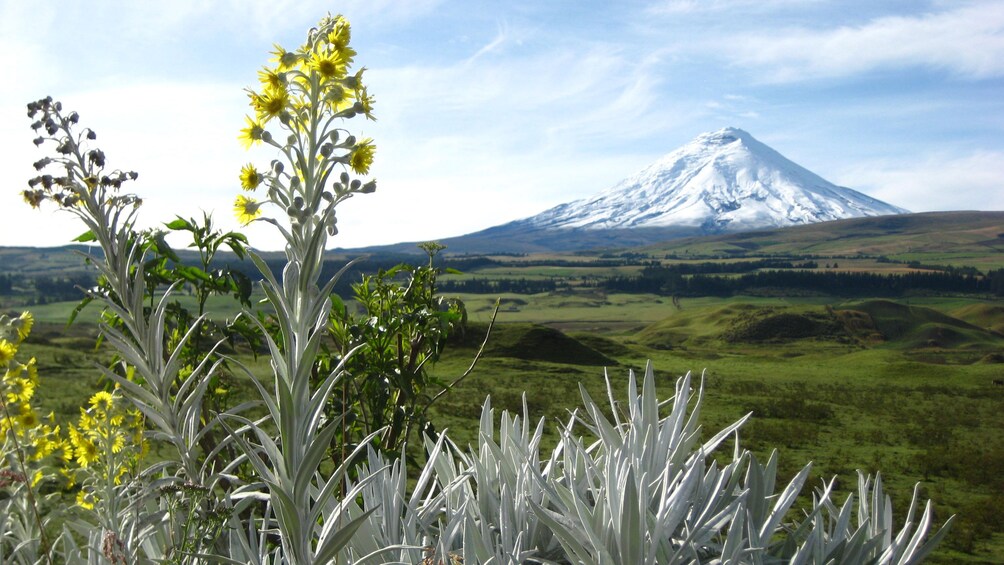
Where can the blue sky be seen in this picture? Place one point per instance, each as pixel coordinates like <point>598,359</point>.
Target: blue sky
<point>490,111</point>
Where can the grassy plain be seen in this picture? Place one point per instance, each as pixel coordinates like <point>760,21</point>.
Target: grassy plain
<point>843,396</point>
<point>905,386</point>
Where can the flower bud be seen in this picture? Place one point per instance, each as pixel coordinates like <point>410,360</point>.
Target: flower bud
<point>356,183</point>
<point>291,140</point>
<point>350,141</point>
<point>344,177</point>
<point>277,166</point>
<point>369,187</point>
<point>298,202</point>
<point>266,136</point>
<point>327,149</point>
<point>327,196</point>
<point>334,136</point>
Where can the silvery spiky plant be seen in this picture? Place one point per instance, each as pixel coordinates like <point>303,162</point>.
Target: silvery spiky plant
<point>149,374</point>
<point>306,96</point>
<point>647,491</point>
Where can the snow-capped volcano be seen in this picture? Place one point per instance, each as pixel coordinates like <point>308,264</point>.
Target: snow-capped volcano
<point>721,181</point>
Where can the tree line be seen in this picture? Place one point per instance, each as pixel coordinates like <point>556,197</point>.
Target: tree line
<point>673,282</point>
<point>683,279</point>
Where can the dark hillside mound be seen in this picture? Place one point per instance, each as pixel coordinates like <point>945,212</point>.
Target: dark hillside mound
<point>988,316</point>
<point>775,324</point>
<point>991,359</point>
<point>602,344</point>
<point>896,321</point>
<point>909,326</point>
<point>531,342</point>
<point>690,328</point>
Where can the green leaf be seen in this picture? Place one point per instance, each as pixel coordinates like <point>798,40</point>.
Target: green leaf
<point>193,274</point>
<point>179,224</point>
<point>85,237</point>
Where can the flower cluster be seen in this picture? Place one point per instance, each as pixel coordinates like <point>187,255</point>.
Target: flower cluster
<point>20,424</point>
<point>307,93</point>
<point>107,442</point>
<point>82,180</point>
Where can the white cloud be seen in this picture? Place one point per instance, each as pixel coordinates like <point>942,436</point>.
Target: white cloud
<point>676,7</point>
<point>967,41</point>
<point>935,182</point>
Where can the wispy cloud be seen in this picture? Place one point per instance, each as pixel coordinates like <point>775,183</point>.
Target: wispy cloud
<point>494,45</point>
<point>676,7</point>
<point>934,182</point>
<point>967,41</point>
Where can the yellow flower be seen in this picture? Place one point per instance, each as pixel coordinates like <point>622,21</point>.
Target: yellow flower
<point>103,401</point>
<point>118,443</point>
<point>270,103</point>
<point>84,448</point>
<point>285,59</point>
<point>247,209</point>
<point>271,78</point>
<point>366,101</point>
<point>20,389</point>
<point>87,423</point>
<point>49,442</point>
<point>328,65</point>
<point>7,351</point>
<point>338,98</point>
<point>340,34</point>
<point>28,418</point>
<point>252,134</point>
<point>23,324</point>
<point>362,156</point>
<point>85,500</point>
<point>250,177</point>
<point>32,370</point>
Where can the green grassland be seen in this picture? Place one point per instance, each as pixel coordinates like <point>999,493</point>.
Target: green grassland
<point>874,385</point>
<point>905,385</point>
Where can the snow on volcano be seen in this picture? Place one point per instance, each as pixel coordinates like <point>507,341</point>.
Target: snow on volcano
<point>721,181</point>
